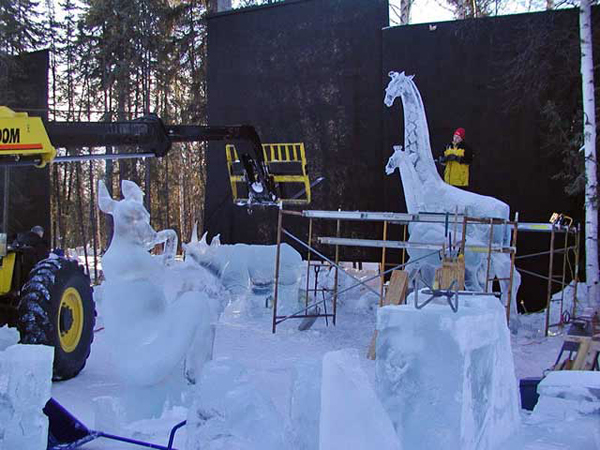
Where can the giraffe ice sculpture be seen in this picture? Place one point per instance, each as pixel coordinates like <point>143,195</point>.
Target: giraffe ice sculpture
<point>425,191</point>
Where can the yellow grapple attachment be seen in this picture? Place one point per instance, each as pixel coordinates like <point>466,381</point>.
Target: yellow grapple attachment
<point>22,136</point>
<point>286,163</point>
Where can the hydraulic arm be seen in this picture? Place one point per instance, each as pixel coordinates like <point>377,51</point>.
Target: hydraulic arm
<point>27,140</point>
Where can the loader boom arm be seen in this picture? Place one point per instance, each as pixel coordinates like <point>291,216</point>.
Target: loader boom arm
<point>31,142</point>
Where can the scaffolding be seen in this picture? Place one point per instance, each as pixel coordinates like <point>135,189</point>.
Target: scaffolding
<point>507,243</point>
<point>572,234</point>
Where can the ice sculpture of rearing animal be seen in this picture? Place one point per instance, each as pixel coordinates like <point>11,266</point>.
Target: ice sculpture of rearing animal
<point>133,234</point>
<point>150,334</point>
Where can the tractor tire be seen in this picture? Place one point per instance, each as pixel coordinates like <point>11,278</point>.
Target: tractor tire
<point>57,308</point>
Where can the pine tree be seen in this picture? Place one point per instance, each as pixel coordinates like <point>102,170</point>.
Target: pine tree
<point>21,29</point>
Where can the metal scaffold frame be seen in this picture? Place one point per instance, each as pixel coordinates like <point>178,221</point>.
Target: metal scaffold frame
<point>312,310</point>
<point>571,245</point>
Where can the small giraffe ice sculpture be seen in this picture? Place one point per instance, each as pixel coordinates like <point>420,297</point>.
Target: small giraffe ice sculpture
<point>425,191</point>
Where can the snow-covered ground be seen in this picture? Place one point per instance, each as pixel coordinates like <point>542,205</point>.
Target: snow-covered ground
<point>271,360</point>
<point>286,390</point>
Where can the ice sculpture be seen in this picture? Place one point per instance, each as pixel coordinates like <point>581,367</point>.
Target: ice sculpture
<point>230,412</point>
<point>352,416</point>
<point>425,191</point>
<point>568,395</point>
<point>25,384</point>
<point>305,405</point>
<point>248,271</point>
<point>151,333</point>
<point>447,379</point>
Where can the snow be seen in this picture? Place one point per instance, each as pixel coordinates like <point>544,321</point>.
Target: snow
<point>8,337</point>
<point>473,402</point>
<point>25,383</point>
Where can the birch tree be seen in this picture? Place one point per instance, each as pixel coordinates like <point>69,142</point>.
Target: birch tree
<point>400,15</point>
<point>589,149</point>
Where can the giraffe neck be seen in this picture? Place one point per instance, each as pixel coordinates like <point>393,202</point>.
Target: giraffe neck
<point>410,185</point>
<point>416,135</point>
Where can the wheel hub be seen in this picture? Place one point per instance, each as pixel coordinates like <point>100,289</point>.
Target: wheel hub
<point>70,319</point>
<point>66,319</point>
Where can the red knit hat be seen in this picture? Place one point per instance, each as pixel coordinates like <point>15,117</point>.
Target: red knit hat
<point>460,132</point>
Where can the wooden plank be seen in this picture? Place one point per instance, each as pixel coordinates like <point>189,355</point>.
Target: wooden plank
<point>593,355</point>
<point>453,269</point>
<point>395,295</point>
<point>582,353</point>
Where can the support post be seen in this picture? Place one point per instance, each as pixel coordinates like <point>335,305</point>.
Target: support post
<point>463,241</point>
<point>564,274</point>
<point>513,255</point>
<point>308,254</point>
<point>576,275</point>
<point>405,226</point>
<point>550,270</point>
<point>337,264</point>
<point>489,261</point>
<point>279,225</point>
<point>382,270</point>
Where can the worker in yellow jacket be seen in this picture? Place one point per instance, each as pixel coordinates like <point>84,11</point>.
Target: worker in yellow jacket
<point>457,158</point>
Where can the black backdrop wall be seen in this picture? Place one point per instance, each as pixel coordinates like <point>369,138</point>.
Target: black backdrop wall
<point>316,70</point>
<point>305,70</point>
<point>24,87</point>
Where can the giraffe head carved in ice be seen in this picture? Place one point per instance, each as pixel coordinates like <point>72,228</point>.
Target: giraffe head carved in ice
<point>397,85</point>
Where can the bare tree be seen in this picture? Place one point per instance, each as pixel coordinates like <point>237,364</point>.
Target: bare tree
<point>468,9</point>
<point>400,15</point>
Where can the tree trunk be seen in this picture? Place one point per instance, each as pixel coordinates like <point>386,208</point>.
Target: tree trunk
<point>80,216</point>
<point>589,136</point>
<point>405,6</point>
<point>93,220</point>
